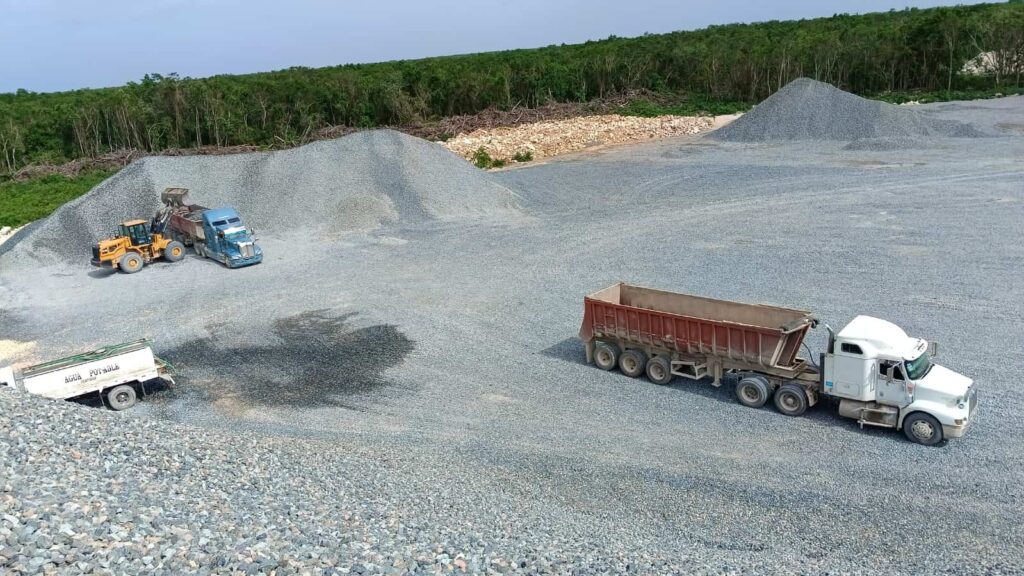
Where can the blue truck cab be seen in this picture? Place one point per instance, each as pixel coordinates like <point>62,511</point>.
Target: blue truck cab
<point>228,239</point>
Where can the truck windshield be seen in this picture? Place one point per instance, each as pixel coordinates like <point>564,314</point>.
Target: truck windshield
<point>237,232</point>
<point>917,368</point>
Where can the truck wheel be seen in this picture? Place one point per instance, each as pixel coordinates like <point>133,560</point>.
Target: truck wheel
<point>752,391</point>
<point>121,397</point>
<point>174,251</point>
<point>606,355</point>
<point>923,429</point>
<point>659,370</point>
<point>131,263</point>
<point>791,399</point>
<point>632,363</point>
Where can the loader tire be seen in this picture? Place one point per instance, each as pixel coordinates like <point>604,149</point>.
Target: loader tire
<point>791,399</point>
<point>752,391</point>
<point>174,251</point>
<point>606,355</point>
<point>131,263</point>
<point>632,363</point>
<point>659,370</point>
<point>121,397</point>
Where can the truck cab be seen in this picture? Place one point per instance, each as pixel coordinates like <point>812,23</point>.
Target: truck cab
<point>228,239</point>
<point>885,378</point>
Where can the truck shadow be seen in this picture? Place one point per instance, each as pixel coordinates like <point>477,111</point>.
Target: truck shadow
<point>319,360</point>
<point>154,390</point>
<point>568,350</point>
<point>825,413</point>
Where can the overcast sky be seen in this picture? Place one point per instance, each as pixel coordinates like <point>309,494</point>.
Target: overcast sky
<point>48,45</point>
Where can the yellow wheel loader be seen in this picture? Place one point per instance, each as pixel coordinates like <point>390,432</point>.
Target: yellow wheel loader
<point>134,246</point>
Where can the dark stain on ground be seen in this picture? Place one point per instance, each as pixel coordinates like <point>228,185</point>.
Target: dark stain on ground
<point>319,361</point>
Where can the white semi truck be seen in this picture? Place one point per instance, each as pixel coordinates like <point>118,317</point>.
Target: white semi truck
<point>878,374</point>
<point>119,373</point>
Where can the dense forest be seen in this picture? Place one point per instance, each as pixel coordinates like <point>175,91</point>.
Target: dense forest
<point>898,51</point>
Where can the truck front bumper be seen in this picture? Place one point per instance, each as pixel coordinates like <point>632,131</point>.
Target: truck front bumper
<point>240,262</point>
<point>957,430</point>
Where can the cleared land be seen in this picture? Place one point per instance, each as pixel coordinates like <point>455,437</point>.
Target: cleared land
<point>411,394</point>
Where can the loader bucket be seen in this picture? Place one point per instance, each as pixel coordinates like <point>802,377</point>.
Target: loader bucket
<point>174,197</point>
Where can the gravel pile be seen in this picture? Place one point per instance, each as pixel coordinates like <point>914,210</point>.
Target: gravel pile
<point>806,109</point>
<point>357,182</point>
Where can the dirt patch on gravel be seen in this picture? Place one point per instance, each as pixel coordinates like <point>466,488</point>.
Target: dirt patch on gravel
<point>555,137</point>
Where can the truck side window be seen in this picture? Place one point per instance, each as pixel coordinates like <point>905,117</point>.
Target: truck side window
<point>851,348</point>
<point>883,370</point>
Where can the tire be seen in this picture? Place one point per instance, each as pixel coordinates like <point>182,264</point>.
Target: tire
<point>791,399</point>
<point>632,363</point>
<point>606,355</point>
<point>752,391</point>
<point>121,397</point>
<point>174,251</point>
<point>659,370</point>
<point>131,263</point>
<point>923,429</point>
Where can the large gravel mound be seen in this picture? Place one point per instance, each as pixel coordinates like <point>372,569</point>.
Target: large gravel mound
<point>806,109</point>
<point>357,182</point>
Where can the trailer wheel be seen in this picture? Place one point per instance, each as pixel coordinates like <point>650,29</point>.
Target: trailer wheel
<point>632,363</point>
<point>791,399</point>
<point>659,370</point>
<point>752,391</point>
<point>121,397</point>
<point>174,251</point>
<point>923,429</point>
<point>131,263</point>
<point>606,355</point>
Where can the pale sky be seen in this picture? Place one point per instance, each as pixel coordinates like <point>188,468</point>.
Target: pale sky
<point>49,45</point>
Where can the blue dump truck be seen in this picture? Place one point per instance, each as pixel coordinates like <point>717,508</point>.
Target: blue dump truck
<point>219,234</point>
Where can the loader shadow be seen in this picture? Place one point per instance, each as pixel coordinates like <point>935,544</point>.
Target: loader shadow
<point>318,361</point>
<point>100,273</point>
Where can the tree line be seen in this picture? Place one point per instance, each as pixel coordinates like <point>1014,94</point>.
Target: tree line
<point>896,51</point>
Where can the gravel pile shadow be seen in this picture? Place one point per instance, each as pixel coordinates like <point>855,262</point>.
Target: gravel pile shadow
<point>806,109</point>
<point>889,144</point>
<point>318,360</point>
<point>357,182</point>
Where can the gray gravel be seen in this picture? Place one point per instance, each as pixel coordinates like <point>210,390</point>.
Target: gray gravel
<point>434,407</point>
<point>806,109</point>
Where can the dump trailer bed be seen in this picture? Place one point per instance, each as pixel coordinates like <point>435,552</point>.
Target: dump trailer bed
<point>701,336</point>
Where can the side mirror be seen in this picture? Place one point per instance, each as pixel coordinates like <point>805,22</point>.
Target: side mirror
<point>933,349</point>
<point>889,373</point>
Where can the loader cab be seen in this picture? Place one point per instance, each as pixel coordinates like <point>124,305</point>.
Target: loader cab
<point>136,231</point>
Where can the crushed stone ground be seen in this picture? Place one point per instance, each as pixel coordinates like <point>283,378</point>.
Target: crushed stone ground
<point>432,411</point>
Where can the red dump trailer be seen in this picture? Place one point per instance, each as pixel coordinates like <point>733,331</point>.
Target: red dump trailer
<point>694,336</point>
<point>881,376</point>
